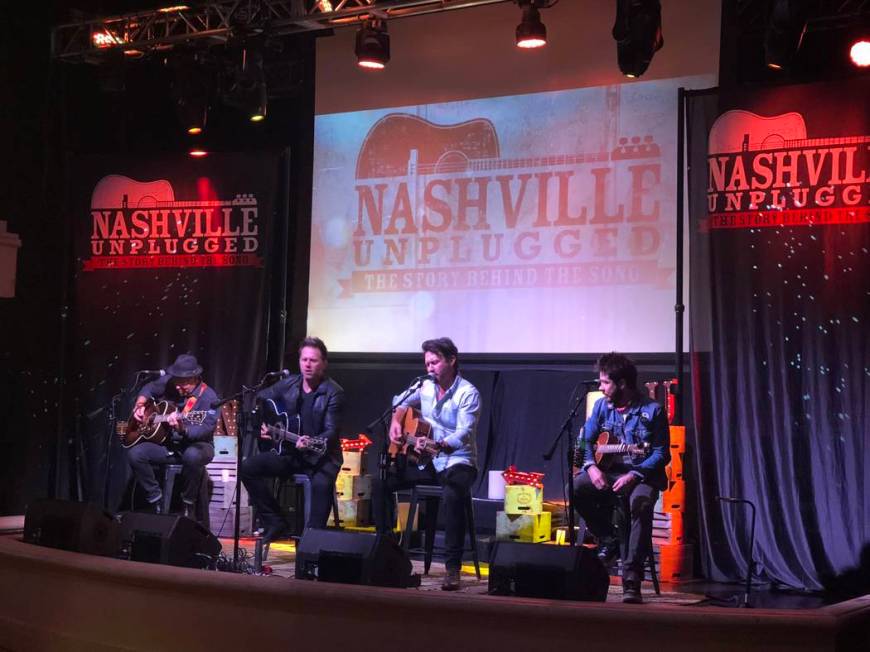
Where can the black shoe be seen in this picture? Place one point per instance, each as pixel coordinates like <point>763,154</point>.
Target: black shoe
<point>156,507</point>
<point>189,511</point>
<point>451,581</point>
<point>631,587</point>
<point>631,592</point>
<point>608,551</point>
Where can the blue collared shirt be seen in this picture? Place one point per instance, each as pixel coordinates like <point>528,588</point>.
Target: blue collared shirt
<point>644,421</point>
<point>453,418</point>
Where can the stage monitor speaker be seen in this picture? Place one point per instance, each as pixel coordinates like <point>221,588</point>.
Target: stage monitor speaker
<point>68,525</point>
<point>168,539</point>
<point>541,571</point>
<point>353,558</point>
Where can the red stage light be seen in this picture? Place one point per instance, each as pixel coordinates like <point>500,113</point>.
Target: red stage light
<point>198,153</point>
<point>194,131</point>
<point>860,53</point>
<point>104,39</point>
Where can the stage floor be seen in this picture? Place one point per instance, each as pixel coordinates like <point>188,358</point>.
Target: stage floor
<point>281,562</point>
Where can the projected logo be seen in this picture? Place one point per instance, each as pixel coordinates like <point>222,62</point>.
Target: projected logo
<point>766,172</point>
<point>439,207</point>
<point>141,225</point>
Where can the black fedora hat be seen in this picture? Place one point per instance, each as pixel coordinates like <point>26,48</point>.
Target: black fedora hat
<point>185,366</point>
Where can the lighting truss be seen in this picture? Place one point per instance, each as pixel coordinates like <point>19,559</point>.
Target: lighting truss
<point>218,21</point>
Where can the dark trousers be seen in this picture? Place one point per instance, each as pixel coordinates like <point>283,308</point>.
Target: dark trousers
<point>456,482</point>
<point>194,457</point>
<point>596,507</point>
<point>258,468</point>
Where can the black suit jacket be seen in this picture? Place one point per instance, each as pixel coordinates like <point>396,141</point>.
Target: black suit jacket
<point>327,410</point>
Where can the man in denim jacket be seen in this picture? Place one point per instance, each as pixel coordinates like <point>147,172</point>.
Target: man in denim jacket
<point>630,480</point>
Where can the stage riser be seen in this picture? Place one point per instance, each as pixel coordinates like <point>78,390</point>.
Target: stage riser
<point>100,604</point>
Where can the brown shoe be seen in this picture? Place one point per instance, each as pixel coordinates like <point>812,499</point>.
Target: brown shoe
<point>451,581</point>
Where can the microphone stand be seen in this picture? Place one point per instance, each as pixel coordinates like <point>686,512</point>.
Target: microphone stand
<point>111,411</point>
<point>566,429</point>
<point>735,600</point>
<point>382,420</point>
<point>245,398</point>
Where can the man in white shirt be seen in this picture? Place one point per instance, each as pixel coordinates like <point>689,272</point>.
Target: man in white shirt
<point>451,406</point>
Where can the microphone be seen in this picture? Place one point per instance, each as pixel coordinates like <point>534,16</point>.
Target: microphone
<point>589,381</point>
<point>151,372</point>
<point>728,499</point>
<point>277,375</point>
<point>419,380</point>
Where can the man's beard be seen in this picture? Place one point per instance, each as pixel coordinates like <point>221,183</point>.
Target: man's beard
<point>620,397</point>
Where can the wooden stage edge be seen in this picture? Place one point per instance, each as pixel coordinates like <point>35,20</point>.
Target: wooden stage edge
<point>58,600</point>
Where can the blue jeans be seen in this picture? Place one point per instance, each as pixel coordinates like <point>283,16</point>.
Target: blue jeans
<point>194,458</point>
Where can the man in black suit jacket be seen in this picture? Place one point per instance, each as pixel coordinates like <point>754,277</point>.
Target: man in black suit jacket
<point>314,404</point>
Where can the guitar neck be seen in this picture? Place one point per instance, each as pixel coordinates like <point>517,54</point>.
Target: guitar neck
<point>282,434</point>
<point>607,449</point>
<point>163,418</point>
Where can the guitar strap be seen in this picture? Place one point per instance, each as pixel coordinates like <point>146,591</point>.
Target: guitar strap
<point>191,401</point>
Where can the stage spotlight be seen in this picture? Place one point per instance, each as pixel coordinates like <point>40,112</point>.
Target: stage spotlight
<point>246,86</point>
<point>193,113</point>
<point>191,89</point>
<point>531,32</point>
<point>638,34</point>
<point>197,152</point>
<point>785,31</point>
<point>372,45</point>
<point>860,53</point>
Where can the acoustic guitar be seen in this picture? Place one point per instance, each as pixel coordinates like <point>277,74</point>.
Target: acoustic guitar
<point>414,428</point>
<point>278,428</point>
<point>154,426</point>
<point>608,447</point>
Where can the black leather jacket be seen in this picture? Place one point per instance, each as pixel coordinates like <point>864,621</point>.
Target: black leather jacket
<point>327,410</point>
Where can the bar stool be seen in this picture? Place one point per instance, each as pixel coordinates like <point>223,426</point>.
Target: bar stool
<point>432,495</point>
<point>170,472</point>
<point>300,479</point>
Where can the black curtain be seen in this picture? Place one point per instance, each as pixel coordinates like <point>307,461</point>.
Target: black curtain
<point>524,405</point>
<point>780,321</point>
<point>134,312</point>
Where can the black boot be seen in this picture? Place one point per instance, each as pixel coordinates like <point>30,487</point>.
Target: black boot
<point>631,587</point>
<point>189,510</point>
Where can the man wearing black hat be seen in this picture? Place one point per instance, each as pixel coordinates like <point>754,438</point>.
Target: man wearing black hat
<point>182,387</point>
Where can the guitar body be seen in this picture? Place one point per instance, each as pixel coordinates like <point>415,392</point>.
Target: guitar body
<point>150,428</point>
<point>413,428</point>
<point>154,426</point>
<point>284,438</point>
<point>608,448</point>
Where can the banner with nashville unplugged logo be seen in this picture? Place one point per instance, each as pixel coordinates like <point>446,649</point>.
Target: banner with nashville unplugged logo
<point>780,315</point>
<point>171,256</point>
<point>531,223</point>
